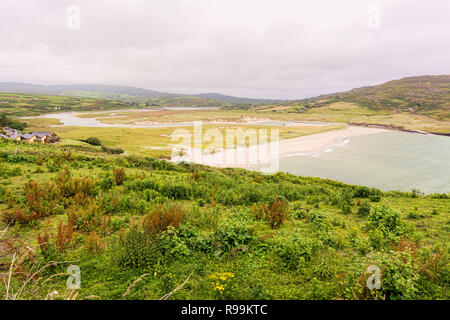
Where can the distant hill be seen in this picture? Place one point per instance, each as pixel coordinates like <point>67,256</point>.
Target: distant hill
<point>114,92</point>
<point>429,95</point>
<point>231,99</point>
<point>99,91</point>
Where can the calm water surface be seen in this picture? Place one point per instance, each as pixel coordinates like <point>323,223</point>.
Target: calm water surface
<point>389,161</point>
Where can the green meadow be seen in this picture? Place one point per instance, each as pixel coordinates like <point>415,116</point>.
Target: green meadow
<point>138,228</point>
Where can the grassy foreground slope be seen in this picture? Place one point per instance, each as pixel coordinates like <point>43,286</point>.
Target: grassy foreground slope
<point>139,227</point>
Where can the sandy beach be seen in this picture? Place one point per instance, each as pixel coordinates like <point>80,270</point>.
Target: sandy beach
<point>321,141</point>
<point>248,157</point>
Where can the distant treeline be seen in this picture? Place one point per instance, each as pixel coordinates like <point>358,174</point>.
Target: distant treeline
<point>8,122</point>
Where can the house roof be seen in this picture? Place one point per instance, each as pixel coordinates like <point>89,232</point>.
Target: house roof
<point>10,131</point>
<point>28,135</point>
<point>14,134</point>
<point>42,134</point>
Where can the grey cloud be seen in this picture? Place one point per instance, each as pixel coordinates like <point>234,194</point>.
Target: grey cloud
<point>265,48</point>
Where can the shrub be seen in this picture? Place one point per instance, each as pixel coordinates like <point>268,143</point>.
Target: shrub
<point>362,192</point>
<point>33,197</point>
<point>299,212</point>
<point>46,246</point>
<point>93,141</point>
<point>387,221</point>
<point>154,197</point>
<point>399,279</point>
<point>17,215</point>
<point>364,209</point>
<point>161,218</point>
<point>172,245</point>
<point>176,190</point>
<point>413,215</point>
<point>360,245</point>
<point>321,221</point>
<point>12,123</point>
<point>107,182</point>
<point>258,211</point>
<point>6,172</point>
<point>377,239</point>
<point>93,243</point>
<point>138,250</point>
<point>293,251</point>
<point>276,213</point>
<point>231,234</point>
<point>119,176</point>
<point>346,208</point>
<point>89,218</point>
<point>112,150</point>
<point>17,158</point>
<point>64,235</point>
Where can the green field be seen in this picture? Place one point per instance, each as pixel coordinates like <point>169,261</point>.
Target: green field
<point>139,227</point>
<point>24,105</point>
<point>346,112</point>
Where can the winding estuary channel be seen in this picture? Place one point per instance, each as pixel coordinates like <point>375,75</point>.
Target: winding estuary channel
<point>390,160</point>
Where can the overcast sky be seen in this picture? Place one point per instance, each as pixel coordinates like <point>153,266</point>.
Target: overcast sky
<point>253,48</point>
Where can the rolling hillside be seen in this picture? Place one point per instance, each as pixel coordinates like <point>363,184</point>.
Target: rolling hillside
<point>426,95</point>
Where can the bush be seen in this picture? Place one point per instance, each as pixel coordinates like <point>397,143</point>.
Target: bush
<point>399,279</point>
<point>377,239</point>
<point>93,243</point>
<point>321,221</point>
<point>172,245</point>
<point>112,150</point>
<point>138,250</point>
<point>93,141</point>
<point>17,158</point>
<point>275,214</point>
<point>293,251</point>
<point>88,219</point>
<point>107,182</point>
<point>119,176</point>
<point>161,219</point>
<point>364,209</point>
<point>231,234</point>
<point>346,208</point>
<point>360,245</point>
<point>299,212</point>
<point>8,122</point>
<point>387,221</point>
<point>362,192</point>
